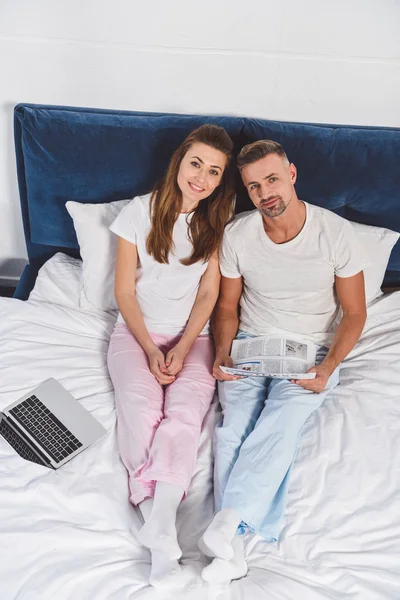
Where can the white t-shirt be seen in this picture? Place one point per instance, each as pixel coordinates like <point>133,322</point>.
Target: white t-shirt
<point>289,288</point>
<point>165,292</point>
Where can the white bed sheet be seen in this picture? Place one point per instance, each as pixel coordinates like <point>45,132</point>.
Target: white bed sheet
<point>70,534</point>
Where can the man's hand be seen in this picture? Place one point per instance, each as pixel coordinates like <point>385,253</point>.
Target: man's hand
<point>157,366</point>
<point>318,384</point>
<point>174,359</point>
<point>224,361</point>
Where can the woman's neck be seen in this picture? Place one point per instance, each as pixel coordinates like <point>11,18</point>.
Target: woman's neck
<point>188,208</point>
<point>188,205</point>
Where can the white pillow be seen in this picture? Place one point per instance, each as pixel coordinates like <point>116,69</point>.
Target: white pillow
<point>98,250</point>
<point>378,243</point>
<point>98,246</point>
<point>59,281</point>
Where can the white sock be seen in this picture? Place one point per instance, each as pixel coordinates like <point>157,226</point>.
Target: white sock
<point>205,549</point>
<point>145,507</point>
<point>223,571</point>
<point>185,577</point>
<point>217,539</point>
<point>164,571</point>
<point>159,530</point>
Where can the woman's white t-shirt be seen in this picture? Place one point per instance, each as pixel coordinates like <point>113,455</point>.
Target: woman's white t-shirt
<point>165,292</point>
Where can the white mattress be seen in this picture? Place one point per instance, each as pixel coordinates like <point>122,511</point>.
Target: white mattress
<point>70,534</point>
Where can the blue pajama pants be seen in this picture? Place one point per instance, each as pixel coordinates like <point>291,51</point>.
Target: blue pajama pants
<point>255,445</point>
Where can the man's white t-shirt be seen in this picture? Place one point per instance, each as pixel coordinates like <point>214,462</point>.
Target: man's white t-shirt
<point>165,292</point>
<point>289,288</point>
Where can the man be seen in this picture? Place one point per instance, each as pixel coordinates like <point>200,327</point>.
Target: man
<point>291,266</point>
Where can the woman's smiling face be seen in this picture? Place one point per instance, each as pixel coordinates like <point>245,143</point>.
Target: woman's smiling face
<point>200,172</point>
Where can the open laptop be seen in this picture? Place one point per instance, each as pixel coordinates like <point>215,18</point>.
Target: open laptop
<point>48,426</point>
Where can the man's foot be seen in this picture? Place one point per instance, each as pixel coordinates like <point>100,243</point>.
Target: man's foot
<point>224,571</point>
<point>205,549</point>
<point>217,539</point>
<point>158,534</point>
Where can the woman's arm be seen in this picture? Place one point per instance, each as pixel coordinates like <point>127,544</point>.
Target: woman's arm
<point>125,295</point>
<point>203,306</point>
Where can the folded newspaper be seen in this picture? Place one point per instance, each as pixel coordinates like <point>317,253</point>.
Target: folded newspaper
<point>272,356</point>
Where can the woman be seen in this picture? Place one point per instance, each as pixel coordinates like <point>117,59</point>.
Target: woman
<point>161,355</point>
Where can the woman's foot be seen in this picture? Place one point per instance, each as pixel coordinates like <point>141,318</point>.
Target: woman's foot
<point>169,574</point>
<point>158,534</point>
<point>164,571</point>
<point>224,571</point>
<point>217,539</point>
<point>159,529</point>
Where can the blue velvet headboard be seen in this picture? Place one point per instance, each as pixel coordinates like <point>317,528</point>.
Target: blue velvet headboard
<point>91,155</point>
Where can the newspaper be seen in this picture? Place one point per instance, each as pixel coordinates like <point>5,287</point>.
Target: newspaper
<point>272,356</point>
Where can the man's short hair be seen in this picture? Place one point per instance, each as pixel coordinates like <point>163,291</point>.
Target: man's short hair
<point>257,150</point>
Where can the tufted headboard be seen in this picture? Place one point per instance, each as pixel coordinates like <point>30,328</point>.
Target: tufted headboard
<point>92,155</point>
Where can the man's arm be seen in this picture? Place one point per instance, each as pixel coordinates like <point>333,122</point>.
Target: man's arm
<point>225,324</point>
<point>351,296</point>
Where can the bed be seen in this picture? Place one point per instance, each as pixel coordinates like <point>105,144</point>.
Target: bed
<point>71,533</point>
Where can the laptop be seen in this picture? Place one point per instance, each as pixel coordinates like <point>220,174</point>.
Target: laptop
<point>48,426</point>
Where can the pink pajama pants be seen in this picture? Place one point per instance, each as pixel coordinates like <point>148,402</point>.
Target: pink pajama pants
<point>159,426</point>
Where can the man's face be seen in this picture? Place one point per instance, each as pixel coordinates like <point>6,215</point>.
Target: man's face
<point>270,184</point>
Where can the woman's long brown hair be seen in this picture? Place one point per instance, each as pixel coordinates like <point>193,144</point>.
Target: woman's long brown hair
<point>210,216</point>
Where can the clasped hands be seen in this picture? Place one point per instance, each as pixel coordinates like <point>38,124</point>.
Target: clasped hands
<point>166,367</point>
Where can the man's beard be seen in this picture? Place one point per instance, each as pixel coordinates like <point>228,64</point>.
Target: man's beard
<point>276,210</point>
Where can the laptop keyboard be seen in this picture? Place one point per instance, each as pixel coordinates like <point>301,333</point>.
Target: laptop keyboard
<point>18,443</point>
<point>45,428</point>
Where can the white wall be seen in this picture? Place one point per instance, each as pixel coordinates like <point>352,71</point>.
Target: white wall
<point>300,60</point>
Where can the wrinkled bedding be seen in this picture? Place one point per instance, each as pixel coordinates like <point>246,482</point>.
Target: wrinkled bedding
<point>70,534</point>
